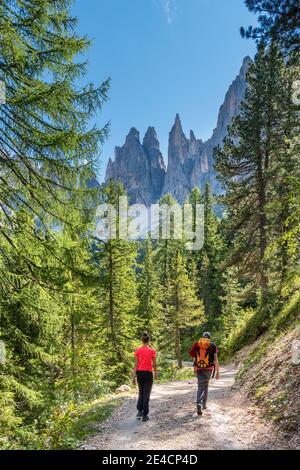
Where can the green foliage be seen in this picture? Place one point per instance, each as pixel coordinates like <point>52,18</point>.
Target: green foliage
<point>181,307</point>
<point>71,423</point>
<point>149,294</point>
<point>257,164</point>
<point>243,332</point>
<point>205,264</point>
<point>65,427</point>
<point>170,371</point>
<point>278,19</point>
<point>251,325</point>
<point>185,310</point>
<point>72,306</point>
<point>47,157</point>
<point>231,304</point>
<point>117,259</point>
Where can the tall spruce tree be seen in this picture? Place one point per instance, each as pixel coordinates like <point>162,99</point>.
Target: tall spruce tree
<point>195,257</point>
<point>47,154</point>
<point>244,164</point>
<point>185,310</point>
<point>231,301</point>
<point>117,294</point>
<point>284,194</point>
<point>181,308</point>
<point>81,360</point>
<point>45,142</point>
<point>149,293</point>
<point>210,260</point>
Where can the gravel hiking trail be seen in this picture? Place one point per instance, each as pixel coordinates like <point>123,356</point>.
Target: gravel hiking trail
<point>230,422</point>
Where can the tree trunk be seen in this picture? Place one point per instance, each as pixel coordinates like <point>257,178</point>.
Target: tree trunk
<point>111,297</point>
<point>262,232</point>
<point>178,347</point>
<point>73,352</point>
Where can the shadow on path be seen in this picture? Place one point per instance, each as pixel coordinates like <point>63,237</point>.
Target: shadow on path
<point>228,423</point>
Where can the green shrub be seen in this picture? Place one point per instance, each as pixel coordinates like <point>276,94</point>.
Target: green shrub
<point>253,323</point>
<point>169,371</point>
<point>243,333</point>
<point>65,427</point>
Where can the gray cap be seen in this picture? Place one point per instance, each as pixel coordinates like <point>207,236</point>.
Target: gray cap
<point>206,334</point>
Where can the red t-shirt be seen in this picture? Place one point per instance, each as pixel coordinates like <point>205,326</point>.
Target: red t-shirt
<point>145,356</point>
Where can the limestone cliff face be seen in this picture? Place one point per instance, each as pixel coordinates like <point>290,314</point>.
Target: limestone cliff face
<point>141,168</point>
<point>228,110</point>
<point>177,179</point>
<point>156,165</point>
<point>183,155</point>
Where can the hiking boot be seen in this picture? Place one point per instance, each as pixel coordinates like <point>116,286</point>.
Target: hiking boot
<point>204,407</point>
<point>139,415</point>
<point>145,418</point>
<point>199,411</point>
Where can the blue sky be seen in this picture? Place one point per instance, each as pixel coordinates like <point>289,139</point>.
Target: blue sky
<point>164,57</point>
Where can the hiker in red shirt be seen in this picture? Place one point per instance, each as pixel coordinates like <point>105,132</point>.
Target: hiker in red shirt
<point>145,362</point>
<point>205,354</point>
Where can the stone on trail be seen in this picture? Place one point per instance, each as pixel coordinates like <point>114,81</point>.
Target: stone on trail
<point>123,388</point>
<point>296,352</point>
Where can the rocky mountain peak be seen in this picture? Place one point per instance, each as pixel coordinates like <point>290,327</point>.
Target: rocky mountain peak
<point>178,144</point>
<point>192,136</point>
<point>141,167</point>
<point>133,135</point>
<point>150,139</point>
<point>177,127</point>
<point>178,121</point>
<point>245,67</point>
<point>231,104</point>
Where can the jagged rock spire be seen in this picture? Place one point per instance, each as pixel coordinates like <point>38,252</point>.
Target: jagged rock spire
<point>141,167</point>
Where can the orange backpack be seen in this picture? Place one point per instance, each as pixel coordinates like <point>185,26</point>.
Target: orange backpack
<point>203,355</point>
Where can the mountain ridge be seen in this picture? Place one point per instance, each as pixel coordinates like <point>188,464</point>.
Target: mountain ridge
<point>141,168</point>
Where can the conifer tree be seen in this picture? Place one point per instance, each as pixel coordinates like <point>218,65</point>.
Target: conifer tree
<point>184,308</point>
<point>167,244</point>
<point>46,144</point>
<point>149,293</point>
<point>47,155</point>
<point>82,362</point>
<point>30,325</point>
<point>231,301</point>
<point>284,194</point>
<point>210,259</point>
<point>117,294</point>
<point>244,164</point>
<point>194,257</point>
<point>279,21</point>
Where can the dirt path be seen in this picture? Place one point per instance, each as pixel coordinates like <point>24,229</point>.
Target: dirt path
<point>228,423</point>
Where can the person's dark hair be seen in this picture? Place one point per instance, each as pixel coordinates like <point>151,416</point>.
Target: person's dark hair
<point>146,338</point>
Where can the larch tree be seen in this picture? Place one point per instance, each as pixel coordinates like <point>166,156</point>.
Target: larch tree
<point>48,153</point>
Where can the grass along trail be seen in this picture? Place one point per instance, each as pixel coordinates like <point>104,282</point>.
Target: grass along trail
<point>230,422</point>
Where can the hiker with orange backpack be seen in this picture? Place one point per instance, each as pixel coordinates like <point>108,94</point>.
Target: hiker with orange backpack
<point>205,355</point>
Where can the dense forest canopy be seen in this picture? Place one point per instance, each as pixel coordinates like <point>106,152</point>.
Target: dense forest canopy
<point>73,306</point>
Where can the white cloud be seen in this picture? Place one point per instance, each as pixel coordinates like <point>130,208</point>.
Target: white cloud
<point>169,10</point>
